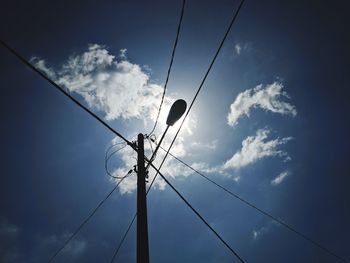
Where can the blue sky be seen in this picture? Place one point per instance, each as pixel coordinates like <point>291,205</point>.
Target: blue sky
<point>271,124</point>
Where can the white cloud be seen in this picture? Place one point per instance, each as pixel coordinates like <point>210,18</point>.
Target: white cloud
<point>257,234</point>
<point>122,54</point>
<point>279,178</point>
<point>120,89</point>
<point>264,97</point>
<point>255,148</point>
<point>238,48</point>
<point>205,145</point>
<point>171,167</point>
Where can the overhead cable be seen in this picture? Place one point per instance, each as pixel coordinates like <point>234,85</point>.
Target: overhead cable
<point>107,157</point>
<point>43,75</point>
<point>88,218</point>
<point>191,207</point>
<point>279,221</point>
<point>170,66</point>
<point>199,216</point>
<point>123,238</point>
<point>235,14</point>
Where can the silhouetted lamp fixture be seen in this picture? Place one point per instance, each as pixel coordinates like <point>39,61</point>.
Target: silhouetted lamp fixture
<point>176,111</point>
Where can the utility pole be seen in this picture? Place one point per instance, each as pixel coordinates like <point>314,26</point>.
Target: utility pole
<point>176,111</point>
<point>142,225</point>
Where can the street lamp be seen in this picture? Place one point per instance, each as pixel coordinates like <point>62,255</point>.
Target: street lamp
<point>176,111</point>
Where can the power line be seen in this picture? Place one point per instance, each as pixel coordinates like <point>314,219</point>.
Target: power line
<point>135,215</point>
<point>122,137</point>
<point>21,58</point>
<point>123,238</point>
<point>199,215</point>
<point>112,146</point>
<point>260,210</point>
<point>223,188</point>
<point>128,142</point>
<point>87,219</point>
<point>235,14</point>
<point>107,157</point>
<point>170,66</point>
<point>26,62</point>
<point>190,206</point>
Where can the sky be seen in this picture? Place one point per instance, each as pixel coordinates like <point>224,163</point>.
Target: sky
<point>271,124</point>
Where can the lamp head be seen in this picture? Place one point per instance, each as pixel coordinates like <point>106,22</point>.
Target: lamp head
<point>176,111</point>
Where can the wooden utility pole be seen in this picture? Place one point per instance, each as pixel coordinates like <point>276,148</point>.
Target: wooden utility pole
<point>142,225</point>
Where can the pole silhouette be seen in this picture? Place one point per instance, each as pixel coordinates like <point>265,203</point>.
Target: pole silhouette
<point>142,225</point>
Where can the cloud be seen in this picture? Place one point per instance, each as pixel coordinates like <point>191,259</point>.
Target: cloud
<point>122,54</point>
<point>238,48</point>
<point>205,145</point>
<point>264,97</point>
<point>120,89</point>
<point>279,178</point>
<point>170,168</point>
<point>260,232</point>
<point>255,148</point>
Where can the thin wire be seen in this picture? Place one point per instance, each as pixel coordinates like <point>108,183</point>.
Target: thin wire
<point>87,219</point>
<point>189,205</point>
<point>112,146</point>
<point>122,137</point>
<point>123,238</point>
<point>170,66</point>
<point>150,144</point>
<point>149,138</point>
<point>199,215</point>
<point>260,210</point>
<point>108,156</point>
<point>26,62</point>
<point>107,159</point>
<point>130,144</point>
<point>235,14</point>
<point>183,120</point>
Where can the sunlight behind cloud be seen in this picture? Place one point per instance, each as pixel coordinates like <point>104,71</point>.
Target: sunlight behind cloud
<point>122,90</point>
